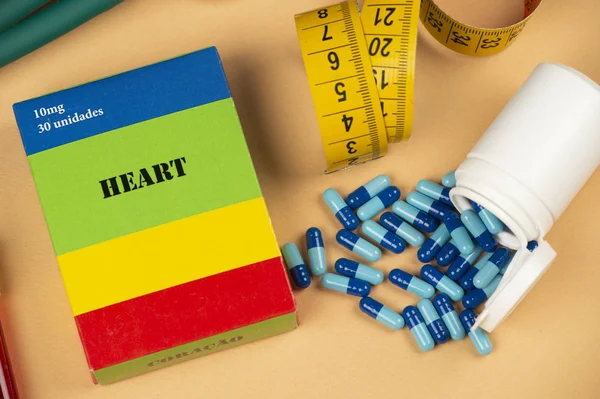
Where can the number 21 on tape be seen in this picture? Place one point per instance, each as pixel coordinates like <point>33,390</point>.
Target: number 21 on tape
<point>345,97</point>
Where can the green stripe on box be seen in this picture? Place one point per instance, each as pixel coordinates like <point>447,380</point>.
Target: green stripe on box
<point>178,354</point>
<point>217,172</point>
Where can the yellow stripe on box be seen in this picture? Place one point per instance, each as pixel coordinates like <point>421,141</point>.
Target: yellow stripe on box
<point>168,255</point>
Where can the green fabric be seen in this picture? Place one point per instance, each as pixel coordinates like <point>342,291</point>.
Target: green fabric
<point>218,173</point>
<point>47,25</point>
<point>230,339</point>
<point>12,11</point>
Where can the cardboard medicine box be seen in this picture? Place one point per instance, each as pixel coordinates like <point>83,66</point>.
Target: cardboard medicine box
<point>156,216</point>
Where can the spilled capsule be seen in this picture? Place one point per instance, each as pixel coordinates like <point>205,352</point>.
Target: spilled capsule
<point>367,191</point>
<point>434,323</point>
<point>402,229</point>
<point>340,209</point>
<point>381,313</point>
<point>383,237</point>
<point>473,223</point>
<point>295,265</point>
<point>478,336</point>
<point>446,310</point>
<point>441,282</point>
<point>435,191</point>
<point>350,268</point>
<point>411,283</point>
<point>433,244</point>
<point>358,245</point>
<point>417,326</point>
<point>447,253</point>
<point>378,203</point>
<point>491,222</point>
<point>466,281</point>
<point>491,268</point>
<point>345,284</point>
<point>428,205</point>
<point>476,297</point>
<point>316,251</point>
<point>459,233</point>
<point>414,216</point>
<point>449,179</point>
<point>462,263</point>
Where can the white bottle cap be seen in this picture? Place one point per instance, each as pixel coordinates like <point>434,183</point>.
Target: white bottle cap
<point>523,272</point>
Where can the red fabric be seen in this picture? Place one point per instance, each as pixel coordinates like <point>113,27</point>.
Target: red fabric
<point>185,313</point>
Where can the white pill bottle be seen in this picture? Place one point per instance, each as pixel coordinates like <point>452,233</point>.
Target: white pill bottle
<point>526,169</point>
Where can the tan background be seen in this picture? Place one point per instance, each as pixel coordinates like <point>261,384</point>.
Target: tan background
<point>547,349</point>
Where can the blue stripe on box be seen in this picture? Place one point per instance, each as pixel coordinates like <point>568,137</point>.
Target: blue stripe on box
<point>125,99</point>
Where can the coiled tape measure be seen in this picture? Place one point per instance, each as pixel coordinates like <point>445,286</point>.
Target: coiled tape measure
<point>360,68</point>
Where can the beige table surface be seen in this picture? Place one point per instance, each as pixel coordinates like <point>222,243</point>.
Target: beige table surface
<point>548,348</point>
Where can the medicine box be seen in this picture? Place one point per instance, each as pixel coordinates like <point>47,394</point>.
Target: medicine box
<point>156,216</point>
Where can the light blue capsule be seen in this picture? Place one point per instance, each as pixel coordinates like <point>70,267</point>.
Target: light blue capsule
<point>411,283</point>
<point>345,284</point>
<point>417,218</point>
<point>435,191</point>
<point>429,205</point>
<point>381,313</point>
<point>446,310</point>
<point>383,237</point>
<point>459,233</point>
<point>491,222</point>
<point>505,267</point>
<point>434,323</point>
<point>473,223</point>
<point>478,336</point>
<point>316,251</point>
<point>449,180</point>
<point>442,282</point>
<point>418,328</point>
<point>340,209</point>
<point>402,229</point>
<point>378,203</point>
<point>358,245</point>
<point>350,268</point>
<point>295,265</point>
<point>466,281</point>
<point>367,191</point>
<point>491,268</point>
<point>433,244</point>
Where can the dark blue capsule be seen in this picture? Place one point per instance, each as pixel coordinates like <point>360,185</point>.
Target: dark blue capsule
<point>447,254</point>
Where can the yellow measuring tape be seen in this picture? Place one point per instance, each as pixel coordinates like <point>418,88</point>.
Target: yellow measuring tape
<point>360,68</point>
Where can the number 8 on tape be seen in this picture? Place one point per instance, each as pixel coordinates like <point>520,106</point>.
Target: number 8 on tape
<point>345,96</point>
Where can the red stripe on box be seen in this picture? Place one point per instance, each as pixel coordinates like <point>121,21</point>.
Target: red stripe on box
<point>185,313</point>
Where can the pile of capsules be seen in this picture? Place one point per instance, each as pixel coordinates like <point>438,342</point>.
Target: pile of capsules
<point>456,241</point>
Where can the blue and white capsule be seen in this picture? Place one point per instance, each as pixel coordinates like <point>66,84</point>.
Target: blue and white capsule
<point>367,191</point>
<point>350,268</point>
<point>358,245</point>
<point>435,191</point>
<point>459,233</point>
<point>340,209</point>
<point>491,268</point>
<point>316,252</point>
<point>378,203</point>
<point>426,204</point>
<point>491,222</point>
<point>462,263</point>
<point>411,283</point>
<point>435,325</point>
<point>473,223</point>
<point>447,253</point>
<point>417,218</point>
<point>449,179</point>
<point>478,336</point>
<point>346,285</point>
<point>402,229</point>
<point>417,326</point>
<point>433,244</point>
<point>466,281</point>
<point>476,297</point>
<point>441,282</point>
<point>381,313</point>
<point>295,265</point>
<point>446,310</point>
<point>383,237</point>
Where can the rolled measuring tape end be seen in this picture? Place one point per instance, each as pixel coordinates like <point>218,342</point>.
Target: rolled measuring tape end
<point>361,68</point>
<point>345,96</point>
